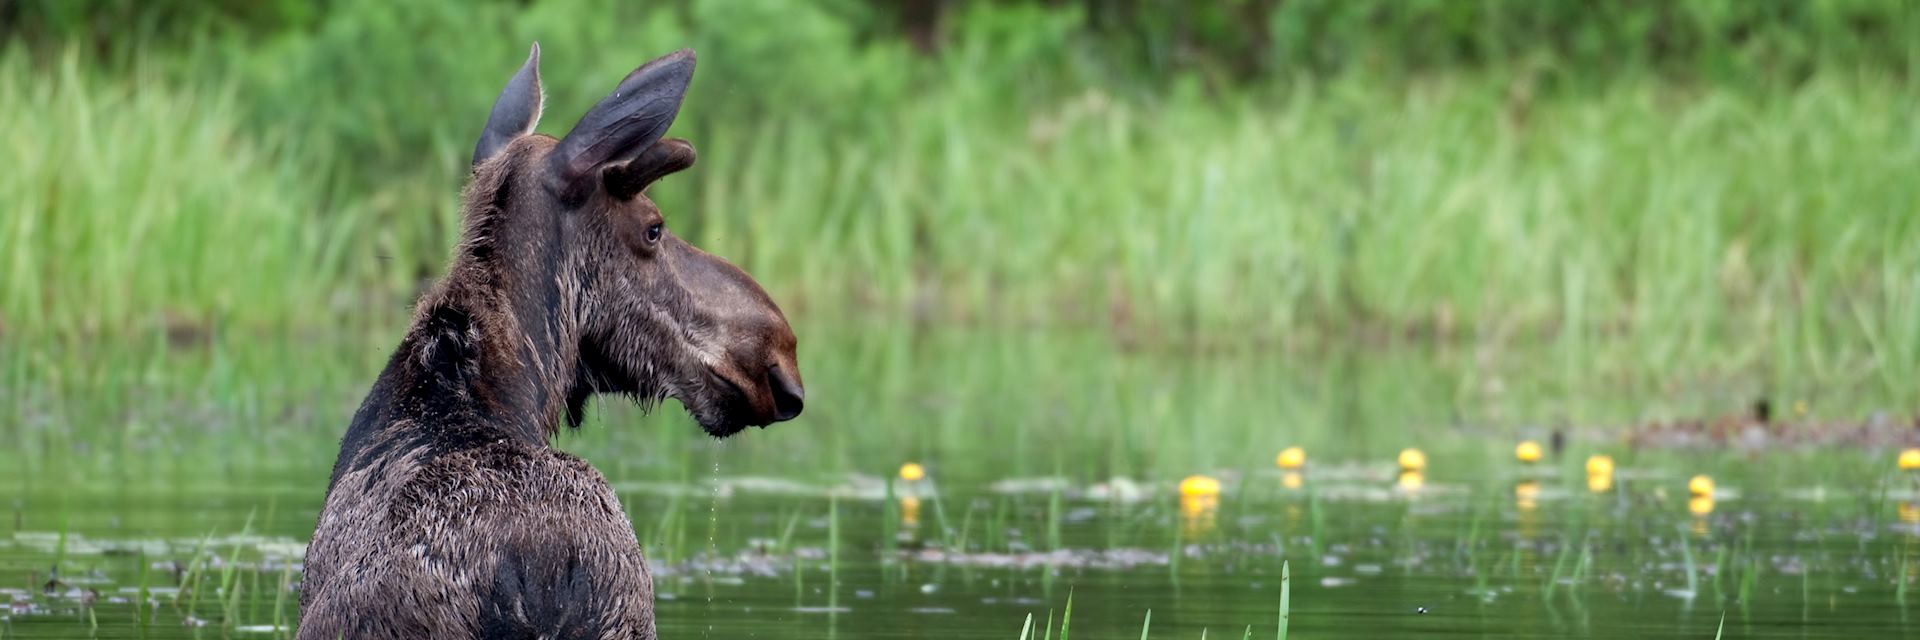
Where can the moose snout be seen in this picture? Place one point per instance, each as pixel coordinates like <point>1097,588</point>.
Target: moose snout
<point>788,397</point>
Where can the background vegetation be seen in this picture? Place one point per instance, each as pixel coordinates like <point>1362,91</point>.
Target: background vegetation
<point>1719,187</point>
<point>1044,247</point>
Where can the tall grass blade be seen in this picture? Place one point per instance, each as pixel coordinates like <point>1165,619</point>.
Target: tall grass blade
<point>1286,598</point>
<point>1066,617</point>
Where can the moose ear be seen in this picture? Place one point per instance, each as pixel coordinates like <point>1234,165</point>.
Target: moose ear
<point>626,123</point>
<point>669,155</point>
<point>515,112</point>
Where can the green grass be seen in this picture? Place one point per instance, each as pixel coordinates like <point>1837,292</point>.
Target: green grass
<point>142,208</point>
<point>1576,250</point>
<point>1146,623</point>
<point>1505,241</point>
<point>1630,238</point>
<point>1066,617</point>
<point>1687,225</point>
<point>1633,221</point>
<point>833,551</point>
<point>1693,571</point>
<point>1286,599</point>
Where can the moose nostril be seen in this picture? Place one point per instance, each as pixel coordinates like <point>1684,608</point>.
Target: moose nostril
<point>788,397</point>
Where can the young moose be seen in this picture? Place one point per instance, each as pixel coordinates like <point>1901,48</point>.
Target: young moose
<point>448,514</point>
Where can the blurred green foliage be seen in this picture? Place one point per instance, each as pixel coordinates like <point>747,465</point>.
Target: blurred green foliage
<point>1719,179</point>
<point>1707,38</point>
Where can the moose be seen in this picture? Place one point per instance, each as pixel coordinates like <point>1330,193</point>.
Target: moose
<point>449,514</point>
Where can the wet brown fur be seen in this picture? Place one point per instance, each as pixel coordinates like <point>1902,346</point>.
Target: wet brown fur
<point>448,514</point>
<point>454,497</point>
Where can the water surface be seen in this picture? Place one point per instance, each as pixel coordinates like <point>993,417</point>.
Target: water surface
<point>176,503</point>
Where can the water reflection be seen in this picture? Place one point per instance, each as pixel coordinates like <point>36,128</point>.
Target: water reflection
<point>1701,507</point>
<point>1526,495</point>
<point>1199,515</point>
<point>1600,473</point>
<point>748,580</point>
<point>1412,480</point>
<point>742,562</point>
<point>910,512</point>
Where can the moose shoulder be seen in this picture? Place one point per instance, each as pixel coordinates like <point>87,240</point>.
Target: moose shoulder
<point>448,514</point>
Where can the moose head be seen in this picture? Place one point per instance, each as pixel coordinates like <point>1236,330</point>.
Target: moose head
<point>654,317</point>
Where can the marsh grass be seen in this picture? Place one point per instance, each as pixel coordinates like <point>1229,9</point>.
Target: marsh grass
<point>1900,586</point>
<point>232,581</point>
<point>60,547</point>
<point>151,210</point>
<point>1693,572</point>
<point>1725,228</point>
<point>1522,253</point>
<point>833,551</point>
<point>948,536</point>
<point>1286,600</point>
<point>235,574</point>
<point>280,620</point>
<point>143,603</point>
<point>1066,618</point>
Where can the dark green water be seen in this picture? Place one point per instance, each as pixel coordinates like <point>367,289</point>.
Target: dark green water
<point>207,473</point>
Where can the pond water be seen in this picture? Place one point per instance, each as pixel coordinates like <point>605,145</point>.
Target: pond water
<point>177,505</point>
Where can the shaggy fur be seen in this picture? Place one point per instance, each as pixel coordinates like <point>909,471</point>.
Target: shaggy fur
<point>448,514</point>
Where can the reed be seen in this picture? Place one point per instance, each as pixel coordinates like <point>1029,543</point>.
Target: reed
<point>1286,600</point>
<point>1729,226</point>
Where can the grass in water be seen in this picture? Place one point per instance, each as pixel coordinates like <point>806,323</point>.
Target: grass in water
<point>1286,599</point>
<point>1693,572</point>
<point>1146,623</point>
<point>1066,618</point>
<point>1900,586</point>
<point>280,622</point>
<point>833,551</point>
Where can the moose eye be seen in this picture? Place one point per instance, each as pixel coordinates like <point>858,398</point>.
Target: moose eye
<point>653,232</point>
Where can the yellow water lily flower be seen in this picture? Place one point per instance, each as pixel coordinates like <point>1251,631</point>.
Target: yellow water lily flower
<point>1700,486</point>
<point>1199,486</point>
<point>1291,458</point>
<point>1413,460</point>
<point>1910,460</point>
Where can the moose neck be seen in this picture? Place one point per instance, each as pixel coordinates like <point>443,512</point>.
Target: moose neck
<point>493,348</point>
<point>515,360</point>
